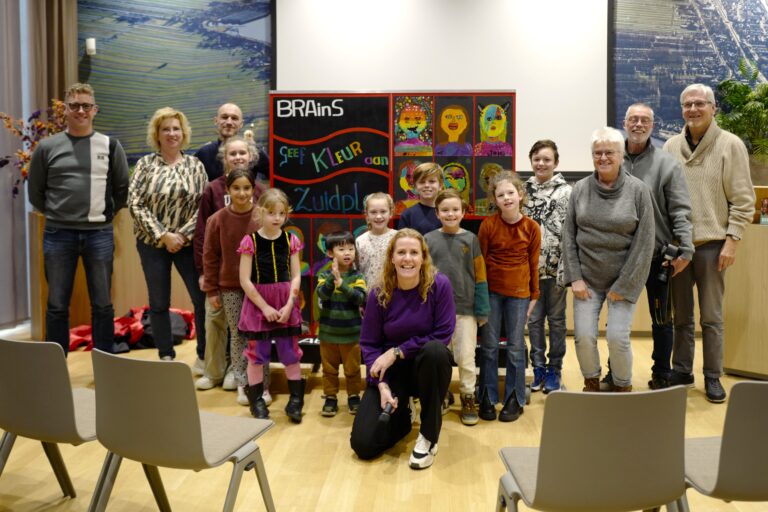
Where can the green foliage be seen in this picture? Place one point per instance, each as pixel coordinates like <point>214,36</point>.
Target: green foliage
<point>744,107</point>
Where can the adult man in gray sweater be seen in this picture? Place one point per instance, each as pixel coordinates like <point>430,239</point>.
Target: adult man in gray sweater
<point>672,214</point>
<point>79,180</point>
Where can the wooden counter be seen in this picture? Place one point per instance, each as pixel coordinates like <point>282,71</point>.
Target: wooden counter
<point>746,297</point>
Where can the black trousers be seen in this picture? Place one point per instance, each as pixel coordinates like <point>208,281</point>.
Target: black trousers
<point>427,376</point>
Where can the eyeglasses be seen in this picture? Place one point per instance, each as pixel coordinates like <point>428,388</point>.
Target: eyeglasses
<point>688,105</point>
<point>75,107</point>
<point>597,155</point>
<point>641,120</point>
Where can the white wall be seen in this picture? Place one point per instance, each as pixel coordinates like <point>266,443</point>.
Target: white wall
<point>552,52</point>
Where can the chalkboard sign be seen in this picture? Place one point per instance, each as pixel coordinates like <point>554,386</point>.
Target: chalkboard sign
<point>329,152</point>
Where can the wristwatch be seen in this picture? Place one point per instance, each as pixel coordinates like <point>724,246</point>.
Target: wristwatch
<point>397,352</point>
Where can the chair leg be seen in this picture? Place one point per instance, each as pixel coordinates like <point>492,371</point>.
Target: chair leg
<point>105,482</point>
<point>5,449</point>
<point>507,499</point>
<point>251,461</point>
<point>682,503</point>
<point>156,483</point>
<point>59,469</point>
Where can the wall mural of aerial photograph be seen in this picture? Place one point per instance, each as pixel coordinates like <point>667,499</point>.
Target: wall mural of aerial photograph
<point>192,55</point>
<point>661,46</point>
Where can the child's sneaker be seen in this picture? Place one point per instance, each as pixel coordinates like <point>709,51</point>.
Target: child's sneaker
<point>423,454</point>
<point>469,409</point>
<point>353,402</point>
<point>552,380</point>
<point>331,406</point>
<point>539,372</point>
<point>267,396</point>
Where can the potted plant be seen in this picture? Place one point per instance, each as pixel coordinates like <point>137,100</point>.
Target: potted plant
<point>743,104</point>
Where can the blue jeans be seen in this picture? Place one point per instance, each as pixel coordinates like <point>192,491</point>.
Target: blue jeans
<point>513,310</point>
<point>551,305</point>
<point>660,307</point>
<point>157,263</point>
<point>61,250</point>
<point>586,314</point>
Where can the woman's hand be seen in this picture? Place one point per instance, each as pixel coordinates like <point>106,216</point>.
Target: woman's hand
<point>386,396</point>
<point>581,290</point>
<point>173,242</point>
<point>380,365</point>
<point>270,313</point>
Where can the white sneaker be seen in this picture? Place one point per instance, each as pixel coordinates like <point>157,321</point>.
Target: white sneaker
<point>267,397</point>
<point>242,399</point>
<point>423,454</point>
<point>204,383</point>
<point>198,369</point>
<point>229,381</point>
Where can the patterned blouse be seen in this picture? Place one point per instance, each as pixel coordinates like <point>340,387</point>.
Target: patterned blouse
<point>164,197</point>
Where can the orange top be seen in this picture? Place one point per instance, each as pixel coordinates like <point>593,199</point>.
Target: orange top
<point>511,253</point>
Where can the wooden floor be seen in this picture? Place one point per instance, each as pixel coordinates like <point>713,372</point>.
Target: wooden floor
<point>311,466</point>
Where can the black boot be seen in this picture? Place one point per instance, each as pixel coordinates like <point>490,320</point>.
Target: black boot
<point>487,409</point>
<point>511,410</point>
<point>296,400</point>
<point>255,400</point>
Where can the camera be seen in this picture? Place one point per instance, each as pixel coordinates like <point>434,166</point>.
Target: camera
<point>668,253</point>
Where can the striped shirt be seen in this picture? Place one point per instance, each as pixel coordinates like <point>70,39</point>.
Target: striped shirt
<point>340,307</point>
<point>165,198</point>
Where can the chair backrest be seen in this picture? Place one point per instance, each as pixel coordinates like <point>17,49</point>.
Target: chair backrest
<point>611,452</point>
<point>35,392</point>
<point>743,469</point>
<point>147,411</point>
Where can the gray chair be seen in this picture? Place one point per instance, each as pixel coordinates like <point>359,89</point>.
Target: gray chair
<point>147,411</point>
<point>37,401</point>
<point>733,467</point>
<point>601,452</point>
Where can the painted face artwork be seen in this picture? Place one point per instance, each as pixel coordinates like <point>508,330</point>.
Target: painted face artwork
<point>457,177</point>
<point>454,123</point>
<point>493,130</point>
<point>412,121</point>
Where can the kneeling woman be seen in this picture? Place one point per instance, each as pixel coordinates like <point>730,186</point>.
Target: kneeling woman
<point>407,326</point>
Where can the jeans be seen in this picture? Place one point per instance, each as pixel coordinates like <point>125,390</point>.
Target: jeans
<point>586,314</point>
<point>513,310</point>
<point>710,284</point>
<point>61,250</point>
<point>551,305</point>
<point>157,263</point>
<point>660,307</point>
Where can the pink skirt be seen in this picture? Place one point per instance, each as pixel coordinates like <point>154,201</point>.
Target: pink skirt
<point>254,326</point>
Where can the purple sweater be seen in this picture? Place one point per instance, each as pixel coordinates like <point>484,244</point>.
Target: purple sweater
<point>407,322</point>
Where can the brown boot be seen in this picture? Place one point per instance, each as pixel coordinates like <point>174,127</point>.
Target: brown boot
<point>592,385</point>
<point>622,389</point>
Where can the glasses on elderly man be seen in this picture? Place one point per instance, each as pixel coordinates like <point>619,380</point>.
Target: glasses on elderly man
<point>639,119</point>
<point>608,154</point>
<point>688,105</point>
<point>75,107</point>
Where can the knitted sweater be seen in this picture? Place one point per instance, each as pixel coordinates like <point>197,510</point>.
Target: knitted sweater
<point>669,194</point>
<point>420,217</point>
<point>547,204</point>
<point>717,173</point>
<point>608,235</point>
<point>221,262</point>
<point>458,256</point>
<point>340,307</point>
<point>511,253</point>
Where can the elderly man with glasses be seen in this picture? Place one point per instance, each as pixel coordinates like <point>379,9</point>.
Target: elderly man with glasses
<point>716,169</point>
<point>78,179</point>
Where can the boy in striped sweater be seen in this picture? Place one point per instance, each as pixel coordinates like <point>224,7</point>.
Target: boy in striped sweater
<point>342,291</point>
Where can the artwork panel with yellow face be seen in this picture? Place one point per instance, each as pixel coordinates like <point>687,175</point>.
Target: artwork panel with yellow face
<point>413,125</point>
<point>454,126</point>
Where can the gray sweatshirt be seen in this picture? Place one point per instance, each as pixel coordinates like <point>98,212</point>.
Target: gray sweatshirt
<point>608,236</point>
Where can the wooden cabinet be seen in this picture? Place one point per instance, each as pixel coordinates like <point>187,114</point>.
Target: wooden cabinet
<point>746,297</point>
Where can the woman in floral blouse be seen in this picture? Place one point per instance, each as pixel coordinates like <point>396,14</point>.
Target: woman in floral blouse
<point>163,198</point>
